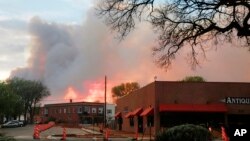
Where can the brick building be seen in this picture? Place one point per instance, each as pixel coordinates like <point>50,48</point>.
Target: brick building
<point>163,104</point>
<point>76,112</point>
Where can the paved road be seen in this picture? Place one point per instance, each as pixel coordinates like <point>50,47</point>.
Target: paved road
<point>26,134</point>
<point>19,132</point>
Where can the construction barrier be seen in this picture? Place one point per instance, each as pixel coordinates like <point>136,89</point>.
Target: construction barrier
<point>64,134</point>
<point>36,134</point>
<point>43,127</point>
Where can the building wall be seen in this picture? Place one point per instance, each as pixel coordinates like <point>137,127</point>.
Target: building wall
<point>164,92</point>
<point>73,112</point>
<point>203,93</point>
<point>143,98</point>
<point>64,113</point>
<point>110,113</point>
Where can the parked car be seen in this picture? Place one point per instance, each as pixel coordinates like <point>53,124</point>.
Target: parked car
<point>20,123</point>
<point>13,123</point>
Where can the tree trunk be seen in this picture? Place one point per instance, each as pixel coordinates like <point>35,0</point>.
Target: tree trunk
<point>25,116</point>
<point>31,114</point>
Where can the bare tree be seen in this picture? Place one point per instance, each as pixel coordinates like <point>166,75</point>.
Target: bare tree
<point>181,22</point>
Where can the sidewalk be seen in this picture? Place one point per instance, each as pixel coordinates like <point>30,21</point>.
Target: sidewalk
<point>117,133</point>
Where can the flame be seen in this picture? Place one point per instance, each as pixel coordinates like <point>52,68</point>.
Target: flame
<point>93,91</point>
<point>71,93</point>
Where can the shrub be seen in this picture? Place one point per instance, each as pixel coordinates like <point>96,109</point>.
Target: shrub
<point>186,132</point>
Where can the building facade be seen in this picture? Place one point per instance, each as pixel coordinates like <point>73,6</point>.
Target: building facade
<point>76,112</point>
<point>164,104</point>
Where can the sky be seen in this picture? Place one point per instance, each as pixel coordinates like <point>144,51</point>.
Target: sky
<point>65,45</point>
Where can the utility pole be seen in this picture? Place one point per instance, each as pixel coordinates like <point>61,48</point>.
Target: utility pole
<point>105,101</point>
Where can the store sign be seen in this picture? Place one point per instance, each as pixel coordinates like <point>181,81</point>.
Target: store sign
<point>237,100</point>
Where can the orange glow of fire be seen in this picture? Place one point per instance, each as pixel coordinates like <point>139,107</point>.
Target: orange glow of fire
<point>93,92</point>
<point>71,94</point>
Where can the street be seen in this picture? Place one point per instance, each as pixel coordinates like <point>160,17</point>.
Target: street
<point>26,133</point>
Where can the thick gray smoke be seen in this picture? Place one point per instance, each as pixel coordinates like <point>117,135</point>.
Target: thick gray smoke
<point>72,60</point>
<point>79,56</point>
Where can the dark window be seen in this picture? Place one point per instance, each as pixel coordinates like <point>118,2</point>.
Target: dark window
<point>120,120</point>
<point>93,110</point>
<point>79,110</point>
<point>100,110</point>
<point>131,121</point>
<point>86,109</point>
<point>150,121</point>
<point>109,111</point>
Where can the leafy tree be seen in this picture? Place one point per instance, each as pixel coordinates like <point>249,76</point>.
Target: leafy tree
<point>124,89</point>
<point>193,79</point>
<point>31,93</point>
<point>9,102</point>
<point>181,22</point>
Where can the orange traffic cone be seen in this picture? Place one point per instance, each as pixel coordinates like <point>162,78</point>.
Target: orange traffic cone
<point>64,134</point>
<point>107,134</point>
<point>136,134</point>
<point>224,134</point>
<point>36,132</point>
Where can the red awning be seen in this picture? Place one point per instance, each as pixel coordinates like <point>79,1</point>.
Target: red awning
<point>137,112</point>
<point>129,115</point>
<point>118,114</point>
<point>148,111</point>
<point>192,108</point>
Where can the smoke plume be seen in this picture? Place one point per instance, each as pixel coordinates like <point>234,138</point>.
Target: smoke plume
<point>72,60</point>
